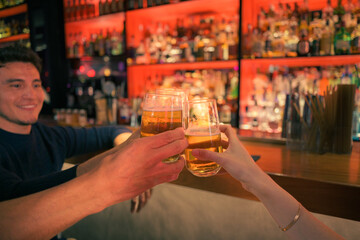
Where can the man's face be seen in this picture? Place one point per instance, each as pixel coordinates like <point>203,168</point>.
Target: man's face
<point>21,96</point>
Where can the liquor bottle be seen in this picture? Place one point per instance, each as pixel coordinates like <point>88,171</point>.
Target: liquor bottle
<point>303,47</point>
<point>76,46</point>
<point>355,38</point>
<point>107,7</point>
<point>67,11</point>
<point>339,11</point>
<point>101,43</point>
<point>315,34</point>
<point>296,12</point>
<point>113,6</point>
<point>150,3</point>
<point>291,41</point>
<point>83,11</point>
<point>73,11</point>
<point>326,41</point>
<point>304,11</point>
<point>277,43</point>
<point>233,45</point>
<point>130,4</point>
<point>342,41</point>
<point>287,11</point>
<point>120,6</point>
<point>267,36</point>
<point>247,42</point>
<point>304,27</point>
<point>280,13</point>
<point>348,18</point>
<point>101,8</point>
<point>140,4</point>
<point>78,10</point>
<point>356,10</point>
<point>108,44</point>
<point>327,12</point>
<point>90,10</point>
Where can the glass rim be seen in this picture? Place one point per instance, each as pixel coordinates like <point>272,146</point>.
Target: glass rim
<point>202,100</point>
<point>160,94</point>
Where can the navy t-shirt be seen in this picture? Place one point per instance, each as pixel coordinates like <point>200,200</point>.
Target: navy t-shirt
<point>32,162</point>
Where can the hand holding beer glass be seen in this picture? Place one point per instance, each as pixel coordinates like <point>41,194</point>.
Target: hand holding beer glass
<point>161,113</point>
<point>202,131</point>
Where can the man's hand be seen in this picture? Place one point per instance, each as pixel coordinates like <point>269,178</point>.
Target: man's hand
<point>135,166</point>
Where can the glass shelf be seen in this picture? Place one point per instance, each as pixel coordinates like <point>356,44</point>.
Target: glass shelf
<point>15,38</point>
<point>13,10</point>
<point>190,65</point>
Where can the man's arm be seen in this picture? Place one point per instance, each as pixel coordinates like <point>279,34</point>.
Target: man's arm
<point>115,176</point>
<point>44,214</point>
<point>87,140</point>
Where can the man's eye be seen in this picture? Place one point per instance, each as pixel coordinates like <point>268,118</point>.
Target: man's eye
<point>15,85</point>
<point>37,85</point>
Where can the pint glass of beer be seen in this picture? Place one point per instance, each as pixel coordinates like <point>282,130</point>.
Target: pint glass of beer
<point>178,92</point>
<point>202,131</point>
<point>161,113</point>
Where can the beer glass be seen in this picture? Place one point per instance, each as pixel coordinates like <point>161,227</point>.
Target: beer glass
<point>178,92</point>
<point>161,113</point>
<point>203,132</point>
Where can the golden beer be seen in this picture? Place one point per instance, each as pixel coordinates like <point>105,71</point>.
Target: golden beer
<point>197,167</point>
<point>157,121</point>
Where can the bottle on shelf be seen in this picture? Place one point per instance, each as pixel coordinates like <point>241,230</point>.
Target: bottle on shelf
<point>339,12</point>
<point>326,41</point>
<point>113,6</point>
<point>342,40</point>
<point>101,8</point>
<point>107,7</point>
<point>355,38</point>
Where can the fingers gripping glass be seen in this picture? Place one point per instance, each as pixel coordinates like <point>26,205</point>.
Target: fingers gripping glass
<point>161,113</point>
<point>203,132</point>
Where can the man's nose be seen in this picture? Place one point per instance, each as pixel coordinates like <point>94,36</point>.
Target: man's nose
<point>30,92</point>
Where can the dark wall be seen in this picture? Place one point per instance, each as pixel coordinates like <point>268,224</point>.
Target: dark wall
<point>47,39</point>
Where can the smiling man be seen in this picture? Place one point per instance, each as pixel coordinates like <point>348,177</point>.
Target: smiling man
<point>32,154</point>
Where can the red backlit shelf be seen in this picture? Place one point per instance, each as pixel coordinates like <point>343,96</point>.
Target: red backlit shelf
<point>13,10</point>
<point>15,38</point>
<point>305,61</point>
<point>90,26</point>
<point>170,12</point>
<point>189,65</point>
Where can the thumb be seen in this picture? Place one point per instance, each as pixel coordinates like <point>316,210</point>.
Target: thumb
<point>207,155</point>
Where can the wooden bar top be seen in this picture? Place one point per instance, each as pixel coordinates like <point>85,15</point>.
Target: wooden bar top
<point>327,183</point>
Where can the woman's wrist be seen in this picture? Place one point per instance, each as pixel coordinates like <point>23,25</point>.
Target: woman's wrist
<point>256,181</point>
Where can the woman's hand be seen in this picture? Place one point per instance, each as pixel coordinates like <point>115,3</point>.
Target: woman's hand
<point>235,159</point>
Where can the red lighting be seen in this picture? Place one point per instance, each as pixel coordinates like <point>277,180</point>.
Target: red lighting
<point>47,89</point>
<point>91,73</point>
<point>82,69</point>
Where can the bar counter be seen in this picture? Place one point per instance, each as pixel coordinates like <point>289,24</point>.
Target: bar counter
<point>328,184</point>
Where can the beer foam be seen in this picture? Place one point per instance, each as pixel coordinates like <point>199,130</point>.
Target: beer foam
<point>162,109</point>
<point>202,132</point>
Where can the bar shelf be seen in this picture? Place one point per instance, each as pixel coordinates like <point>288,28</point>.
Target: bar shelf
<point>7,12</point>
<point>14,38</point>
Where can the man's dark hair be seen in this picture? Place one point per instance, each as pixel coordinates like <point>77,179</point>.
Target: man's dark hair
<point>19,54</point>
